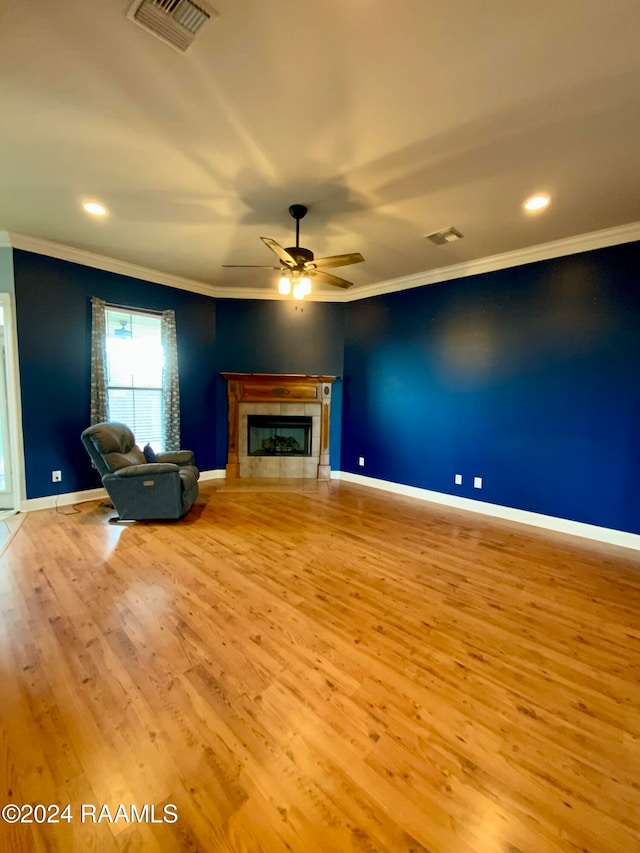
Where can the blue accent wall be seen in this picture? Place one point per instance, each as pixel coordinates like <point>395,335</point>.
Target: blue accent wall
<point>527,377</point>
<point>53,301</point>
<point>274,336</point>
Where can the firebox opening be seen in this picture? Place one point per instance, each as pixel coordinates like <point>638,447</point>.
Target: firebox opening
<point>279,435</point>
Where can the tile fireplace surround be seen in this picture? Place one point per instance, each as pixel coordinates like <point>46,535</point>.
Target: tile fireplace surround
<point>278,394</point>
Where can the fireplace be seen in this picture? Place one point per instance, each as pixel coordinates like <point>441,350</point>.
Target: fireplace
<point>278,435</point>
<point>278,425</point>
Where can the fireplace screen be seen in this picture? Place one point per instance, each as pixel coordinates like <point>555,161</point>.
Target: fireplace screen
<point>278,435</point>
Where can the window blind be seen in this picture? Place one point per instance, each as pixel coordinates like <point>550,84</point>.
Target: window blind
<point>135,362</point>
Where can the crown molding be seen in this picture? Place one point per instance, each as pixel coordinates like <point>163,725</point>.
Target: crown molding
<point>102,262</point>
<point>544,251</point>
<point>273,295</point>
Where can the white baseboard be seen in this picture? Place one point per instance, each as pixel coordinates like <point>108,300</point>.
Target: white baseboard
<point>547,522</point>
<point>63,499</point>
<point>67,498</point>
<point>214,474</point>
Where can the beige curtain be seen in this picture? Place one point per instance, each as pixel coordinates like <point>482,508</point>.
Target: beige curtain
<point>99,401</point>
<point>170,385</point>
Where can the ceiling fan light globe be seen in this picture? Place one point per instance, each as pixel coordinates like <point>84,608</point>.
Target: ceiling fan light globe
<point>299,290</point>
<point>305,284</point>
<point>284,286</point>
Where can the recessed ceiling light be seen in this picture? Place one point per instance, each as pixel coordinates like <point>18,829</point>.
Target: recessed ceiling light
<point>94,208</point>
<point>536,202</point>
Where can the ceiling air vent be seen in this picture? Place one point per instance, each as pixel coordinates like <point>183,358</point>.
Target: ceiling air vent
<point>176,22</point>
<point>445,235</point>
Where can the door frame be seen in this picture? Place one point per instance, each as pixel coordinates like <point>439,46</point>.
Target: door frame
<point>14,405</point>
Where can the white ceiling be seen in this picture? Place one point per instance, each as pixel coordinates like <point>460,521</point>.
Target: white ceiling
<point>389,120</point>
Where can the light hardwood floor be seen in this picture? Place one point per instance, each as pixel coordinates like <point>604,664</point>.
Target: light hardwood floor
<point>320,669</point>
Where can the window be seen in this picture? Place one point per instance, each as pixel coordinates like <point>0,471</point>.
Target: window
<point>134,373</point>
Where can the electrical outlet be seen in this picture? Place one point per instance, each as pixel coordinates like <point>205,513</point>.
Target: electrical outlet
<point>56,476</point>
<point>477,482</point>
<point>458,479</point>
<point>361,461</point>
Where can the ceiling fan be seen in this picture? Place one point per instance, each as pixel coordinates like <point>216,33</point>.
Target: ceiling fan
<point>298,264</point>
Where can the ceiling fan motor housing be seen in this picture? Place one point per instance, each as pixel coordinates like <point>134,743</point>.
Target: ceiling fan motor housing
<point>301,254</point>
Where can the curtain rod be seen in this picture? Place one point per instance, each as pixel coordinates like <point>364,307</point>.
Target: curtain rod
<point>133,309</point>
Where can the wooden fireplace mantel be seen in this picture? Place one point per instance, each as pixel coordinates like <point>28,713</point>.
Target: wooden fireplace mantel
<point>284,388</point>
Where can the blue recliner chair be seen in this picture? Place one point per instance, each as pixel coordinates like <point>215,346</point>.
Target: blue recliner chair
<point>139,489</point>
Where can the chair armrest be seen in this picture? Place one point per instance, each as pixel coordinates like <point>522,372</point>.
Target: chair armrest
<point>177,457</point>
<point>151,469</point>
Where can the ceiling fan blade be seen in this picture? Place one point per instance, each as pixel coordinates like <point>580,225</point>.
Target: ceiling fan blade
<point>337,260</point>
<point>331,279</point>
<point>249,267</point>
<point>284,256</point>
